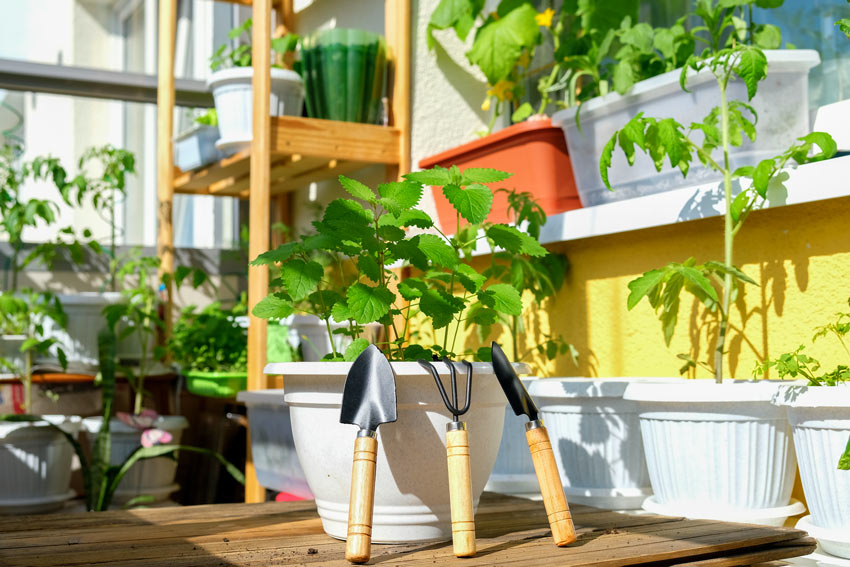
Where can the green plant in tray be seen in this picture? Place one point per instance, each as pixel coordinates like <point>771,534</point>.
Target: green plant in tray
<point>211,339</point>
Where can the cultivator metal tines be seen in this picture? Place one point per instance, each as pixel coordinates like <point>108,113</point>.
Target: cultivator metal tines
<point>457,451</point>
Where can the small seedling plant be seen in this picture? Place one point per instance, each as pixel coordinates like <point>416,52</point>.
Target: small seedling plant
<point>238,52</point>
<point>800,364</point>
<point>374,230</point>
<point>714,283</point>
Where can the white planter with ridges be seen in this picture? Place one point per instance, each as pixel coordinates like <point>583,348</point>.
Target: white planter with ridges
<point>150,477</point>
<point>411,488</point>
<point>596,438</point>
<point>820,419</point>
<point>513,473</point>
<point>35,465</point>
<point>716,448</point>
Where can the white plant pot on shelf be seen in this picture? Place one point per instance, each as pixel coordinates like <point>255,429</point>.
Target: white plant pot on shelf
<point>150,477</point>
<point>717,450</point>
<point>783,116</point>
<point>820,419</point>
<point>513,473</point>
<point>234,101</point>
<point>412,492</point>
<point>596,439</point>
<point>195,147</point>
<point>35,465</point>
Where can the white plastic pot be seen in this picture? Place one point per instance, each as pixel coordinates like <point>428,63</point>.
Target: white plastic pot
<point>195,147</point>
<point>312,334</point>
<point>820,419</point>
<point>272,447</point>
<point>716,448</point>
<point>513,473</point>
<point>411,488</point>
<point>783,116</point>
<point>35,465</point>
<point>234,101</point>
<point>150,477</point>
<point>596,439</point>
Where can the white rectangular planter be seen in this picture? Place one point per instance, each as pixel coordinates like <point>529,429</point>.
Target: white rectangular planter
<point>196,147</point>
<point>783,116</point>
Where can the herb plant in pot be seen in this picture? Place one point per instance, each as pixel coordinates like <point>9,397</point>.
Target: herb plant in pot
<point>714,450</point>
<point>230,83</point>
<point>374,229</point>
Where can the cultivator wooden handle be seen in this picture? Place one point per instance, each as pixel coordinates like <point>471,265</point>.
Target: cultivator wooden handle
<point>358,544</point>
<point>460,489</point>
<point>557,509</point>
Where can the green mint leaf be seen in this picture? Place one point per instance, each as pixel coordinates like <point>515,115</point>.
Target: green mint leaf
<point>300,278</point>
<point>752,68</point>
<point>514,240</point>
<point>483,175</point>
<point>499,42</point>
<point>368,304</point>
<point>279,254</point>
<point>357,189</point>
<point>413,217</point>
<point>437,176</point>
<point>437,251</point>
<point>473,203</point>
<point>354,349</point>
<point>470,278</point>
<point>347,219</point>
<point>390,205</point>
<point>440,306</point>
<point>275,306</point>
<point>504,298</point>
<point>412,288</point>
<point>368,266</point>
<point>405,193</point>
<point>340,312</point>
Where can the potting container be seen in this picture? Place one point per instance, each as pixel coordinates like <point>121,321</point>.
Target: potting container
<point>344,74</point>
<point>35,465</point>
<point>716,449</point>
<point>272,447</point>
<point>215,384</point>
<point>513,472</point>
<point>533,151</point>
<point>195,147</point>
<point>311,334</point>
<point>150,477</point>
<point>234,101</point>
<point>820,420</point>
<point>596,439</point>
<point>412,490</point>
<point>781,104</point>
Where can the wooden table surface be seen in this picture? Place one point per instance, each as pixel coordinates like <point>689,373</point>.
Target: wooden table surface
<point>511,531</point>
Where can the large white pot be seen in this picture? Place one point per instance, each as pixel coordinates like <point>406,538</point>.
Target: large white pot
<point>272,447</point>
<point>820,420</point>
<point>412,492</point>
<point>716,451</point>
<point>234,101</point>
<point>35,465</point>
<point>513,473</point>
<point>150,477</point>
<point>311,333</point>
<point>596,438</point>
<point>783,116</point>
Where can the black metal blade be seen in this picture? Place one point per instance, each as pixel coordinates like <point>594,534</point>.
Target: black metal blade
<point>516,393</point>
<point>368,399</point>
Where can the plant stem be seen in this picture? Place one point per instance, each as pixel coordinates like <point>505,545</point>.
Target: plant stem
<point>514,337</point>
<point>28,381</point>
<point>728,235</point>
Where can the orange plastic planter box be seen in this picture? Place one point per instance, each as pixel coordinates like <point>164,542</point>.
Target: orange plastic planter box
<point>535,152</point>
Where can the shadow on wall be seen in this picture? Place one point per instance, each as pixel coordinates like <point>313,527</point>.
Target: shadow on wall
<point>461,80</point>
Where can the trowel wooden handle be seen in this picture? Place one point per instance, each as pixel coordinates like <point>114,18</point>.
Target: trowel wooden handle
<point>460,491</point>
<point>560,520</point>
<point>358,544</point>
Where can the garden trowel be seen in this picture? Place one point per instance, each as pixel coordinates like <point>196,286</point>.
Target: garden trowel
<point>368,400</point>
<point>557,510</point>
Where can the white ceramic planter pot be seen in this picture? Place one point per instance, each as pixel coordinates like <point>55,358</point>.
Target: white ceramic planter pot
<point>272,447</point>
<point>716,451</point>
<point>596,438</point>
<point>151,477</point>
<point>35,465</point>
<point>820,420</point>
<point>233,94</point>
<point>781,103</point>
<point>10,350</point>
<point>513,473</point>
<point>196,147</point>
<point>311,333</point>
<point>412,492</point>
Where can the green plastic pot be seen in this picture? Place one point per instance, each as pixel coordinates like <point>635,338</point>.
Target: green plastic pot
<point>216,384</point>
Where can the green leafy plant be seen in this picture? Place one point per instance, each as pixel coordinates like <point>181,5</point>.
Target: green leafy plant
<point>210,340</point>
<point>239,55</point>
<point>208,118</point>
<point>799,364</point>
<point>727,125</point>
<point>374,230</point>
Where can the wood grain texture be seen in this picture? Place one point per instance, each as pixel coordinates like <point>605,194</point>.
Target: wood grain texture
<point>397,25</point>
<point>460,493</point>
<point>358,545</point>
<point>557,510</point>
<point>333,139</point>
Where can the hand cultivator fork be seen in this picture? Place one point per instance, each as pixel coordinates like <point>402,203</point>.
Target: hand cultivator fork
<point>457,451</point>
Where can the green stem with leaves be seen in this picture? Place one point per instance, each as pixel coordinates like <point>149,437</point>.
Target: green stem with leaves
<point>729,235</point>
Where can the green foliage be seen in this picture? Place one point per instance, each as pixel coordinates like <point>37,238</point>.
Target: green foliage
<point>237,52</point>
<point>371,229</point>
<point>211,339</point>
<point>208,118</point>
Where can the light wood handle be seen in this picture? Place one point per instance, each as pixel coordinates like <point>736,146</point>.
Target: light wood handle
<point>358,544</point>
<point>460,491</point>
<point>560,520</point>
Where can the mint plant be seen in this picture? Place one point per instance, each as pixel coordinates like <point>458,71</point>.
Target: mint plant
<point>210,340</point>
<point>374,231</point>
<point>727,125</point>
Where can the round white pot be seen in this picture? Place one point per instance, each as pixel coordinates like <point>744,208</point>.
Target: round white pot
<point>311,333</point>
<point>411,487</point>
<point>716,449</point>
<point>820,420</point>
<point>234,101</point>
<point>35,465</point>
<point>596,438</point>
<point>513,473</point>
<point>150,477</point>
